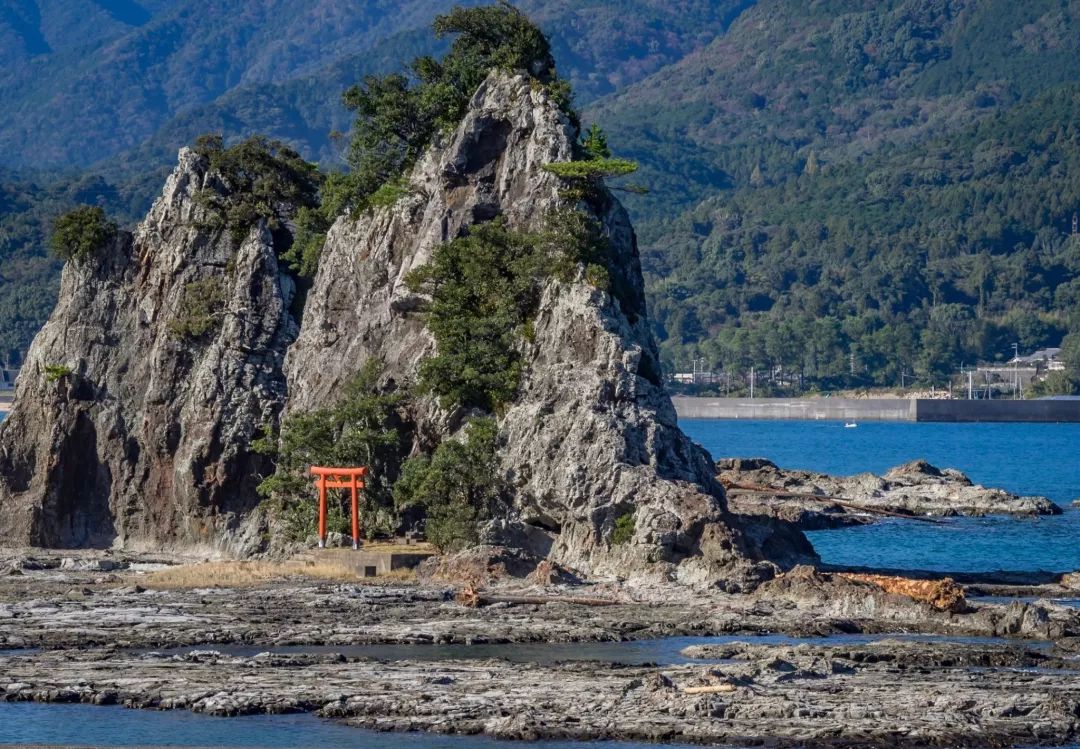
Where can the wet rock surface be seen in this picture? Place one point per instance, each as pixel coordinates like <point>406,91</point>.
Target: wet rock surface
<point>892,693</point>
<point>815,501</point>
<point>79,634</point>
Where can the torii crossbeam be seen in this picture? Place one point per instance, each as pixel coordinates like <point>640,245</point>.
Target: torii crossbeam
<point>339,478</point>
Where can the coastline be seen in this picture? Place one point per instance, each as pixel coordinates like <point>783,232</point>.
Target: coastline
<point>810,647</point>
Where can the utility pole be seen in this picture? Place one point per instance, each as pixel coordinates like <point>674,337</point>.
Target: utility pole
<point>751,383</point>
<point>971,384</point>
<point>1016,369</point>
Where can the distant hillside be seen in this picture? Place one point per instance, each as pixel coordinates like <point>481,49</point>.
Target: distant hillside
<point>874,188</point>
<point>842,192</point>
<point>73,97</point>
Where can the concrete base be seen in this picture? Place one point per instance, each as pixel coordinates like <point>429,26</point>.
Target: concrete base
<point>369,563</point>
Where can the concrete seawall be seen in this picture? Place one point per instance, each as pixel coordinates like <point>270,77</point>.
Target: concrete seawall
<point>879,409</point>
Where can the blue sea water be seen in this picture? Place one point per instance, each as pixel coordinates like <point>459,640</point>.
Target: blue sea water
<point>1040,459</point>
<point>37,724</point>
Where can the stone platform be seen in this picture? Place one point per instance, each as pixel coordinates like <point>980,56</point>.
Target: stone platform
<point>371,561</point>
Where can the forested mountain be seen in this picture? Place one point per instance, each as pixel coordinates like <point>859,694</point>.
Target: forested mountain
<point>840,190</point>
<point>73,98</point>
<point>874,187</point>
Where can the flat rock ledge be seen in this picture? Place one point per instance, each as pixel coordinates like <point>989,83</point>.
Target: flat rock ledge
<point>94,633</point>
<point>887,694</point>
<point>817,501</point>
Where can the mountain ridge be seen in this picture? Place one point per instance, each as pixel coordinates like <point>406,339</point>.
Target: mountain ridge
<point>730,105</point>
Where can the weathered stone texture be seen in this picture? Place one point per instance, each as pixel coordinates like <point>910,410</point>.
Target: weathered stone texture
<point>592,434</point>
<point>147,441</point>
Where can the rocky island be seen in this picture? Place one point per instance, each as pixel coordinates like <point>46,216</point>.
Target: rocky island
<point>464,314</point>
<point>815,500</point>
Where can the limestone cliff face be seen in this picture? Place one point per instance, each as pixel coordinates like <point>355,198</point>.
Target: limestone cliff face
<point>147,441</point>
<point>592,435</point>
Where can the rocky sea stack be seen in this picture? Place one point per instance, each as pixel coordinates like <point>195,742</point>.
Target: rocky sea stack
<point>124,433</point>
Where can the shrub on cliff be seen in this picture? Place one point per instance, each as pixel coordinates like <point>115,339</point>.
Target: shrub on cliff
<point>362,429</point>
<point>484,288</point>
<point>458,487</point>
<point>397,115</point>
<point>200,309</point>
<point>81,232</point>
<point>259,179</point>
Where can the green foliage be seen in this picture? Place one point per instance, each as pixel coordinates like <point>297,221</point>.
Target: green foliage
<point>80,233</point>
<point>913,262</point>
<point>389,193</point>
<point>595,144</point>
<point>585,179</point>
<point>54,372</point>
<point>312,223</point>
<point>484,288</point>
<point>398,115</point>
<point>494,36</point>
<point>593,169</point>
<point>363,429</point>
<point>200,309</point>
<point>623,530</point>
<point>458,487</point>
<point>259,179</point>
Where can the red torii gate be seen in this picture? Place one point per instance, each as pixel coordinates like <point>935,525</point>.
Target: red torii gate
<point>339,478</point>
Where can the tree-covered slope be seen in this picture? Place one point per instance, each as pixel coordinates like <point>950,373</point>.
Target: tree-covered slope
<point>889,180</point>
<point>918,258</point>
<point>144,65</point>
<point>884,186</point>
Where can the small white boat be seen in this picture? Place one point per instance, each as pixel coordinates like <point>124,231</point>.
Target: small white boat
<point>850,425</point>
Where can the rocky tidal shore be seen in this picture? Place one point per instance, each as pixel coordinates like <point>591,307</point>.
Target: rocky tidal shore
<point>91,630</point>
<point>893,693</point>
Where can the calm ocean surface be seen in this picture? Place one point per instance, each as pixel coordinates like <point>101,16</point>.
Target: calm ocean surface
<point>1041,459</point>
<point>92,725</point>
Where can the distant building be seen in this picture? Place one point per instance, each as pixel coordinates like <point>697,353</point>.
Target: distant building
<point>7,377</point>
<point>697,378</point>
<point>1048,356</point>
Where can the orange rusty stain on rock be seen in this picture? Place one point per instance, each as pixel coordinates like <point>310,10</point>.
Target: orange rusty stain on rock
<point>943,595</point>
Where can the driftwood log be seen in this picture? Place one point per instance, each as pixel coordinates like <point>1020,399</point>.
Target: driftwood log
<point>711,689</point>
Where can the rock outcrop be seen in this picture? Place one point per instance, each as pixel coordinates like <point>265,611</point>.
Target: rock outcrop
<point>592,435</point>
<point>137,436</point>
<point>148,439</point>
<point>816,500</point>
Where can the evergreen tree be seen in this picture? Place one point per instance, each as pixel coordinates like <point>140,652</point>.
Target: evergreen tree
<point>595,143</point>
